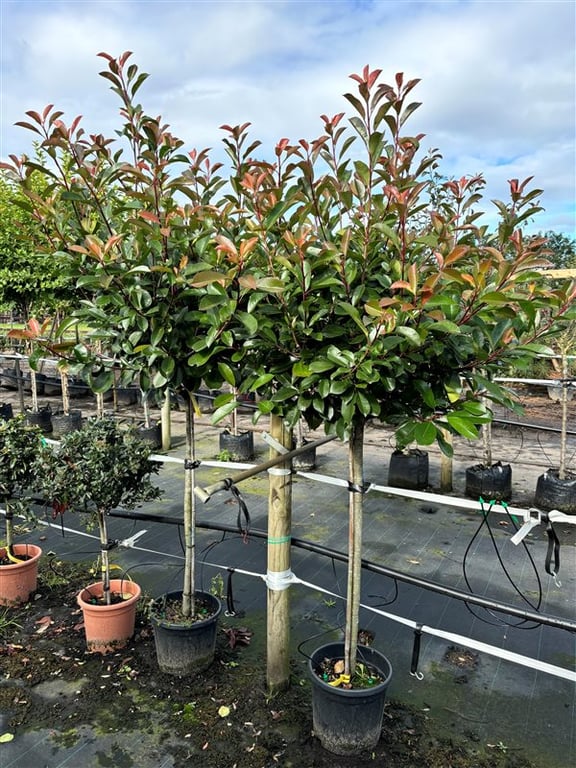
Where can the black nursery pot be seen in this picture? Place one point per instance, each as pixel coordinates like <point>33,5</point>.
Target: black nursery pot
<point>554,493</point>
<point>306,460</point>
<point>408,469</point>
<point>6,411</point>
<point>348,722</point>
<point>151,435</point>
<point>62,423</point>
<point>187,648</point>
<point>494,482</point>
<point>42,418</point>
<point>240,447</point>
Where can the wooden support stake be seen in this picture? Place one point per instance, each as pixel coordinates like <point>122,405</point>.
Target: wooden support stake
<point>279,541</point>
<point>166,424</point>
<point>446,466</point>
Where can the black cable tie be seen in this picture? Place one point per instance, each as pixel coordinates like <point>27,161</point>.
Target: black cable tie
<point>189,464</point>
<point>110,544</point>
<point>230,609</point>
<point>553,548</point>
<point>416,650</point>
<point>355,488</point>
<point>242,511</point>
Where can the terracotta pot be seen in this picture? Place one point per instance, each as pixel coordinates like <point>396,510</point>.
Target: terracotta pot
<point>109,627</point>
<point>18,580</point>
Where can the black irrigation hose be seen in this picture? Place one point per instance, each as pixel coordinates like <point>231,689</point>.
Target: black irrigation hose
<point>551,621</point>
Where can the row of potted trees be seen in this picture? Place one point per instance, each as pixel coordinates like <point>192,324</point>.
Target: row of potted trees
<point>338,281</point>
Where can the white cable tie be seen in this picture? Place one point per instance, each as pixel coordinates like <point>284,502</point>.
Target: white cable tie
<point>279,472</point>
<point>278,581</point>
<point>274,443</point>
<point>524,530</point>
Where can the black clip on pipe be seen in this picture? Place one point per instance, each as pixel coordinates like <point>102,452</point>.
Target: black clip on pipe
<point>416,653</point>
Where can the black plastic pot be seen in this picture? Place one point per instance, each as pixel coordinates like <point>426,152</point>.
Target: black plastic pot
<point>185,649</point>
<point>305,461</point>
<point>205,400</point>
<point>151,435</point>
<point>239,447</point>
<point>554,493</point>
<point>494,482</point>
<point>408,469</point>
<point>126,395</point>
<point>52,386</point>
<point>6,411</point>
<point>62,423</point>
<point>348,722</point>
<point>41,418</point>
<point>9,377</point>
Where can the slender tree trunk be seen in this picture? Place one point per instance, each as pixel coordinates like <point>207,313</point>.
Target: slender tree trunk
<point>446,465</point>
<point>356,508</point>
<point>103,529</point>
<point>166,424</point>
<point>34,390</point>
<point>9,516</point>
<point>188,602</point>
<point>564,424</point>
<point>65,384</point>
<point>279,550</point>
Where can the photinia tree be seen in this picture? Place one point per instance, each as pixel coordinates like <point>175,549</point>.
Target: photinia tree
<point>136,221</point>
<point>397,304</point>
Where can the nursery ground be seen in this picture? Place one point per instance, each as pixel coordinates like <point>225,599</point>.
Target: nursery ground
<point>67,707</point>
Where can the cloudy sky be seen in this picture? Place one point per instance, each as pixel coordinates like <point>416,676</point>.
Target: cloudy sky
<point>498,76</point>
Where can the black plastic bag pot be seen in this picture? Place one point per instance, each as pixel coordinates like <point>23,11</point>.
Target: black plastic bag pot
<point>237,447</point>
<point>554,493</point>
<point>494,482</point>
<point>151,435</point>
<point>408,469</point>
<point>348,721</point>
<point>42,418</point>
<point>62,423</point>
<point>52,386</point>
<point>187,648</point>
<point>306,460</point>
<point>6,411</point>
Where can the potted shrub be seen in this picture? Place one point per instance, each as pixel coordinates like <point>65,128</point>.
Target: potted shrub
<point>490,479</point>
<point>40,416</point>
<point>556,488</point>
<point>94,470</point>
<point>20,445</point>
<point>237,445</point>
<point>408,467</point>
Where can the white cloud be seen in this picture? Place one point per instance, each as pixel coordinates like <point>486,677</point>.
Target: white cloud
<point>498,78</point>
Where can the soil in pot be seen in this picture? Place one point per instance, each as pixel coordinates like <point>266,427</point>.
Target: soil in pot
<point>18,580</point>
<point>348,720</point>
<point>185,646</point>
<point>237,447</point>
<point>409,469</point>
<point>494,482</point>
<point>554,493</point>
<point>109,627</point>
